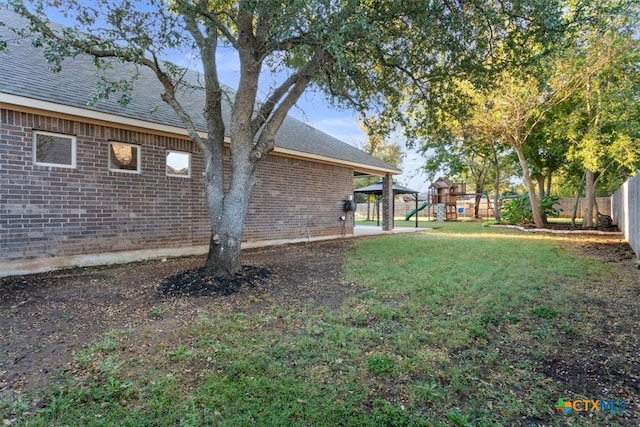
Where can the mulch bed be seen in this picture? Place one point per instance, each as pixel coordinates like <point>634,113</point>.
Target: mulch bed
<point>196,283</point>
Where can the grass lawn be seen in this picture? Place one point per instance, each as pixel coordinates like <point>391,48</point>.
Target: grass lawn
<point>459,326</point>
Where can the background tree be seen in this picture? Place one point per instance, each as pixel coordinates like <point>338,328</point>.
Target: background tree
<point>429,115</point>
<point>527,106</point>
<point>602,120</point>
<point>369,55</point>
<point>505,115</point>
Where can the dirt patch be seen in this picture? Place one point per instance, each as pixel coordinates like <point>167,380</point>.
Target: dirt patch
<point>47,318</point>
<point>602,359</point>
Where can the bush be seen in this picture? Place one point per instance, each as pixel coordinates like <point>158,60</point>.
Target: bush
<point>518,210</point>
<point>548,206</point>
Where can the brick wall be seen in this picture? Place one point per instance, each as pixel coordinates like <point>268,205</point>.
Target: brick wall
<point>52,212</point>
<point>296,199</point>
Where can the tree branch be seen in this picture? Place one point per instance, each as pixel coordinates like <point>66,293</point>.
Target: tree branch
<point>221,27</point>
<point>266,140</point>
<point>169,96</point>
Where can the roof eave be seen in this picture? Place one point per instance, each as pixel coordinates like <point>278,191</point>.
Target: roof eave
<point>40,106</point>
<point>357,167</point>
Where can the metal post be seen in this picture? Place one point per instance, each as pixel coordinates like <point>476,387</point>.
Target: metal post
<point>417,210</point>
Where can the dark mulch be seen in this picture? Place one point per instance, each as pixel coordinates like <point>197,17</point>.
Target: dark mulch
<point>197,283</point>
<point>566,226</point>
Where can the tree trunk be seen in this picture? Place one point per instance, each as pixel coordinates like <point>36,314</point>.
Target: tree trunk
<point>589,200</point>
<point>228,217</point>
<point>496,197</point>
<point>548,183</point>
<point>540,180</point>
<point>541,193</point>
<point>535,203</point>
<point>575,206</point>
<point>478,199</point>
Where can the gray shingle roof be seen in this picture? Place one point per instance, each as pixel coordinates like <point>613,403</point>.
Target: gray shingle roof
<point>25,73</point>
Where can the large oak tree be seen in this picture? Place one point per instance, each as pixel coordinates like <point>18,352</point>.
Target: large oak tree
<point>373,55</point>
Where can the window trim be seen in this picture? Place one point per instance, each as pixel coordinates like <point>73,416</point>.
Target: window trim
<point>73,164</point>
<point>138,171</point>
<point>173,175</point>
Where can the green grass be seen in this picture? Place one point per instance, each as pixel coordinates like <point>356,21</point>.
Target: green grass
<point>449,331</point>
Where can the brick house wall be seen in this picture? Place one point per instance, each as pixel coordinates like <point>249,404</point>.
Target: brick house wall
<point>48,212</point>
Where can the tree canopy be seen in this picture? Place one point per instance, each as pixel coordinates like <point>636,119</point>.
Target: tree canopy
<point>381,57</point>
<point>571,102</point>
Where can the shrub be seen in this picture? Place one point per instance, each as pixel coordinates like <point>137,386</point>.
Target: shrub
<point>518,210</point>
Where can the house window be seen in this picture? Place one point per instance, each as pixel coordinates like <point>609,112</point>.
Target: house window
<point>178,164</point>
<point>124,157</point>
<point>51,149</point>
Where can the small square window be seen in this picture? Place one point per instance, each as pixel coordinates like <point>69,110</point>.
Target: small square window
<point>124,157</point>
<point>178,164</point>
<point>51,149</point>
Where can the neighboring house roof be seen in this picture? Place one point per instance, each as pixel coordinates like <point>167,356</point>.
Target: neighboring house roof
<point>422,197</point>
<point>27,76</point>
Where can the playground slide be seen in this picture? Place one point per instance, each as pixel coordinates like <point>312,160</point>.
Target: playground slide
<point>413,212</point>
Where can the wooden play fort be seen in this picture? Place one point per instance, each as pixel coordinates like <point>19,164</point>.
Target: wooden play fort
<point>444,196</point>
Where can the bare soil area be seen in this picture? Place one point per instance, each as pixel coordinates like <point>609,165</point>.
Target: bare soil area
<point>47,318</point>
<point>606,357</point>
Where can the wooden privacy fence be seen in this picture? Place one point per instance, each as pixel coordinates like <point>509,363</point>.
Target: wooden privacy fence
<point>402,208</point>
<point>625,205</point>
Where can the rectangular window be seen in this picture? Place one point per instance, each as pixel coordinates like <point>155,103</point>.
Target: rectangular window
<point>178,164</point>
<point>124,157</point>
<point>51,149</point>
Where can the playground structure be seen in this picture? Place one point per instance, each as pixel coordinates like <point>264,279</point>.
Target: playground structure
<point>444,194</point>
<point>442,200</point>
<point>416,210</point>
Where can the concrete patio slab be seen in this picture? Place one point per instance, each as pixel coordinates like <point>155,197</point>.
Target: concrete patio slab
<point>368,230</point>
